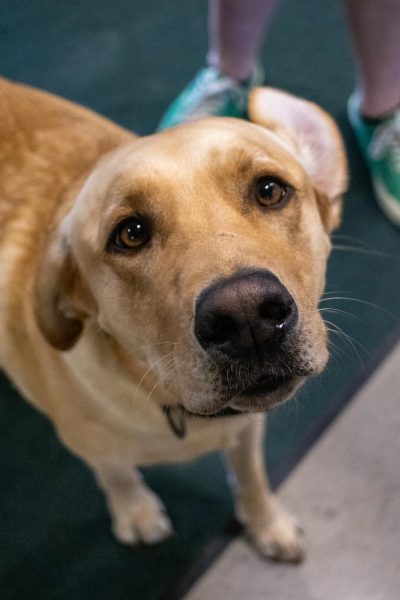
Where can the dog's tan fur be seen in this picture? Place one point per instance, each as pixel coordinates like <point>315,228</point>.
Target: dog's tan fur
<point>101,341</point>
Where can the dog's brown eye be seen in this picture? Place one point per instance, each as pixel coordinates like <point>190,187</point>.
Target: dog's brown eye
<point>130,234</point>
<point>270,192</point>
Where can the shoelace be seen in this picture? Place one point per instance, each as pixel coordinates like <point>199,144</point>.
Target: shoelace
<point>386,142</point>
<point>213,92</point>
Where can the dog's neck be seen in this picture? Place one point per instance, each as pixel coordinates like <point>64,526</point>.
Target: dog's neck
<point>175,413</point>
<point>176,416</point>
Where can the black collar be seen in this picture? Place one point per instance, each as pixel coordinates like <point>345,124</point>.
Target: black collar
<point>176,414</point>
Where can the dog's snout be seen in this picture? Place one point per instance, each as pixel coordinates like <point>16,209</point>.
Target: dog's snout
<point>245,314</point>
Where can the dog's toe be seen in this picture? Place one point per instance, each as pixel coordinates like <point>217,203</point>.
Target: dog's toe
<point>281,545</point>
<point>280,537</point>
<point>156,529</point>
<point>145,522</point>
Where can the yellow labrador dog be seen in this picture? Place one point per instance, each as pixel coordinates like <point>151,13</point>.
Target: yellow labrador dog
<point>158,294</point>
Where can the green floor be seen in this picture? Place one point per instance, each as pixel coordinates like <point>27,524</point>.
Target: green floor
<point>127,60</point>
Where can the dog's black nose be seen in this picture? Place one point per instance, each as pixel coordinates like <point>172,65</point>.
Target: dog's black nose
<point>244,315</point>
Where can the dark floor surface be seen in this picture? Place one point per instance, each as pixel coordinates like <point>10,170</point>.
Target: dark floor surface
<point>127,60</point>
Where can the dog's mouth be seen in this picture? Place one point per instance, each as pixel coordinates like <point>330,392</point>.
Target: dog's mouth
<point>266,384</point>
<point>264,394</point>
<point>246,386</point>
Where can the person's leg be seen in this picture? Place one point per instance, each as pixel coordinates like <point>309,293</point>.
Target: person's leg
<point>375,27</point>
<point>374,109</point>
<point>236,33</point>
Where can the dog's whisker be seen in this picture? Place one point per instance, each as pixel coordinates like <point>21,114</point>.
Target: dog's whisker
<point>365,302</point>
<point>339,352</point>
<point>346,335</point>
<point>326,295</point>
<point>351,341</point>
<point>339,311</point>
<point>148,371</point>
<point>131,351</point>
<point>169,369</point>
<point>361,246</point>
<point>351,238</point>
<point>150,345</point>
<point>365,251</point>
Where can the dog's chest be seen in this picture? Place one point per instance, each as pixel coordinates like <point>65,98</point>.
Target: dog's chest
<point>160,444</point>
<point>144,433</point>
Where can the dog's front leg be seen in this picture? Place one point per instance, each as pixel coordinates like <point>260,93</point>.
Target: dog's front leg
<point>271,528</point>
<point>137,513</point>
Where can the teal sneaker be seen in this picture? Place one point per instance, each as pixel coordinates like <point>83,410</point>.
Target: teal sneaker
<point>380,144</point>
<point>211,93</point>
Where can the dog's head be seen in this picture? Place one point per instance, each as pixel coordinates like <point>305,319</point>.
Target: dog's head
<point>203,249</point>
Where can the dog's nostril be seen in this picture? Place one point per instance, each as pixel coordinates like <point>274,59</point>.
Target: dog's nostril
<point>274,310</point>
<point>223,328</point>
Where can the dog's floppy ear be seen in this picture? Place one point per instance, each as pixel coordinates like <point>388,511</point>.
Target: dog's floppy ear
<point>316,140</point>
<point>57,288</point>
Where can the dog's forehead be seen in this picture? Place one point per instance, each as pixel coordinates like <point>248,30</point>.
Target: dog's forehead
<point>189,157</point>
<point>207,143</point>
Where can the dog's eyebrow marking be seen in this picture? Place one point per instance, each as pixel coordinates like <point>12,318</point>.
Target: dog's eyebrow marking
<point>246,161</point>
<point>224,234</point>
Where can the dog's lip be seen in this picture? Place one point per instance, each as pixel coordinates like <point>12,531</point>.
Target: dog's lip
<point>266,384</point>
<point>265,393</point>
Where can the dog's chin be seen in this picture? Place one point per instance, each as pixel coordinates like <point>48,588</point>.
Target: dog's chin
<point>262,396</point>
<point>267,393</point>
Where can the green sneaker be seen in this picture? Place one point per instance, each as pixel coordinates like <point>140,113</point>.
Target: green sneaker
<point>380,144</point>
<point>211,93</point>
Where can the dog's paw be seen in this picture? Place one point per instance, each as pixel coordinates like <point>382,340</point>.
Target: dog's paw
<point>279,537</point>
<point>143,521</point>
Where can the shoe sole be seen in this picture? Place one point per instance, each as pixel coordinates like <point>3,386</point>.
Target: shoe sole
<point>388,204</point>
